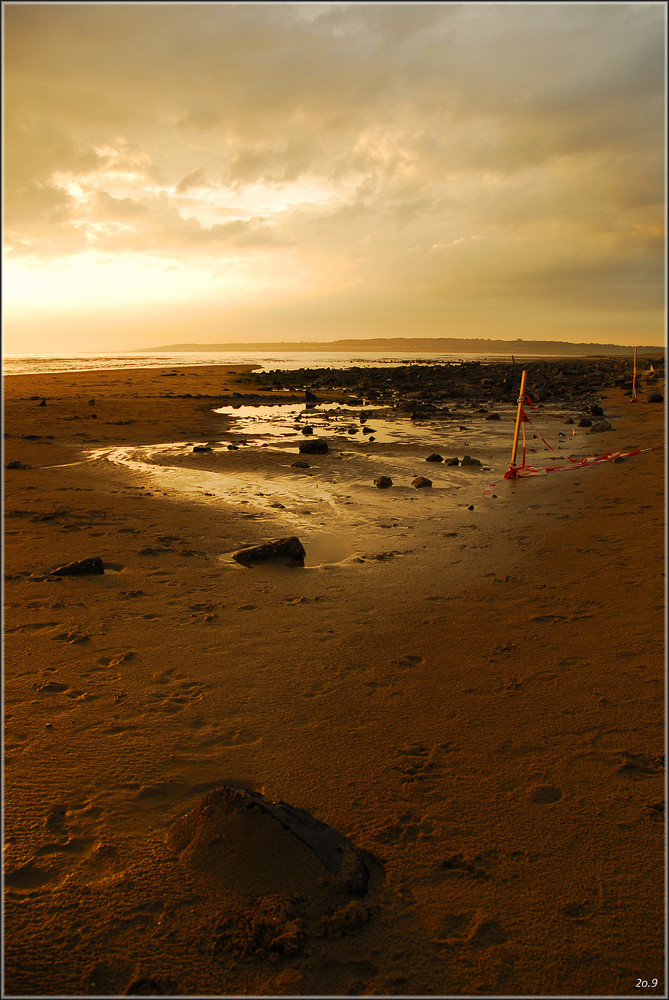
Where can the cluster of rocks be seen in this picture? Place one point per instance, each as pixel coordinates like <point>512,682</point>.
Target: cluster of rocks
<point>428,388</point>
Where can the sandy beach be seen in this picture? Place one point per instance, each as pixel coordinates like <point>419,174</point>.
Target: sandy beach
<point>466,682</point>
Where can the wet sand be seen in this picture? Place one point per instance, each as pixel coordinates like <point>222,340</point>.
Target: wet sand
<point>465,681</point>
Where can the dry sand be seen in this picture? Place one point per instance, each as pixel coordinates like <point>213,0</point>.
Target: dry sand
<point>473,697</point>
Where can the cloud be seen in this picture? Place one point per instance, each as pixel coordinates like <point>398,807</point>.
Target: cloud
<point>346,134</point>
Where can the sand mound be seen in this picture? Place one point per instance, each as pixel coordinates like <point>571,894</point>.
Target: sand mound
<point>254,847</point>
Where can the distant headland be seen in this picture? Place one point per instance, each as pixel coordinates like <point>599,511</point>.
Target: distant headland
<point>433,345</point>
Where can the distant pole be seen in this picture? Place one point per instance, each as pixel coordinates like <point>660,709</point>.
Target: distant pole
<point>519,417</point>
<point>634,379</point>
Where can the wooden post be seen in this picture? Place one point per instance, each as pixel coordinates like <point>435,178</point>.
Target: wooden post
<point>634,379</point>
<point>519,417</point>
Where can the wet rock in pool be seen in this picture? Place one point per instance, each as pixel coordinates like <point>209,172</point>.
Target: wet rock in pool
<point>82,567</point>
<point>315,446</point>
<point>383,482</point>
<point>420,482</point>
<point>290,548</point>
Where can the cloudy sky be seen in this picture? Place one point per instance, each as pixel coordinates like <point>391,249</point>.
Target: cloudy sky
<point>261,172</point>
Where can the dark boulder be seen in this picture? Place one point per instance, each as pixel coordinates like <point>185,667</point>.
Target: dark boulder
<point>600,425</point>
<point>15,465</point>
<point>585,422</point>
<point>201,448</point>
<point>493,416</point>
<point>468,460</point>
<point>289,548</point>
<point>420,482</point>
<point>309,396</point>
<point>83,567</point>
<point>596,411</point>
<point>300,464</point>
<point>307,430</point>
<point>434,458</point>
<point>315,446</point>
<point>452,461</point>
<point>383,482</point>
<point>656,397</point>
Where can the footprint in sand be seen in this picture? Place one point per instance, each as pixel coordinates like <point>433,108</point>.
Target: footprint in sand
<point>475,928</point>
<point>408,660</point>
<point>116,661</point>
<point>544,794</point>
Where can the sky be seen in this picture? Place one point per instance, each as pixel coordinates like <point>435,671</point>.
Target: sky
<point>243,172</point>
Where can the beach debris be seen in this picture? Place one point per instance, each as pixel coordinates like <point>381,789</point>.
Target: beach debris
<point>202,447</point>
<point>82,567</point>
<point>468,460</point>
<point>420,482</point>
<point>600,425</point>
<point>231,813</point>
<point>315,446</point>
<point>452,461</point>
<point>383,482</point>
<point>290,548</point>
<point>434,458</point>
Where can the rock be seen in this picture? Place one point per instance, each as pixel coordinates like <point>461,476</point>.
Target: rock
<point>91,402</point>
<point>232,824</point>
<point>43,403</point>
<point>84,567</point>
<point>353,430</point>
<point>233,447</point>
<point>316,446</point>
<point>656,397</point>
<point>585,422</point>
<point>368,430</point>
<point>468,460</point>
<point>308,429</point>
<point>290,548</point>
<point>420,482</point>
<point>383,482</point>
<point>310,397</point>
<point>596,411</point>
<point>434,458</point>
<point>452,461</point>
<point>493,416</point>
<point>202,447</point>
<point>15,465</point>
<point>600,425</point>
<point>300,464</point>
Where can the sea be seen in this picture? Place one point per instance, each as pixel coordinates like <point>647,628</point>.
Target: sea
<point>263,361</point>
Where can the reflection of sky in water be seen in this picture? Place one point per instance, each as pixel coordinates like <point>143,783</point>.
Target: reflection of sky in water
<point>269,424</point>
